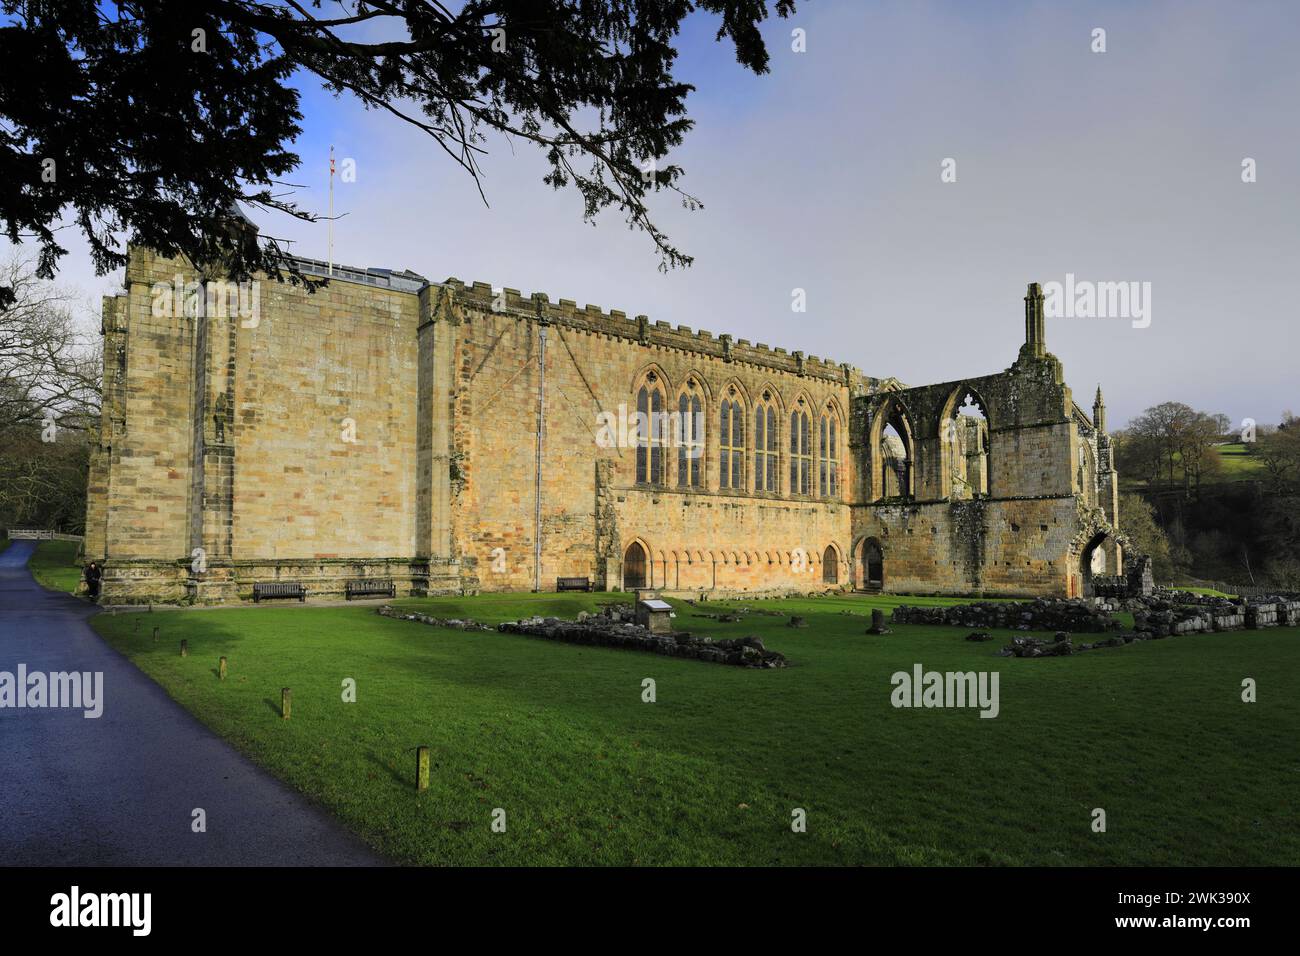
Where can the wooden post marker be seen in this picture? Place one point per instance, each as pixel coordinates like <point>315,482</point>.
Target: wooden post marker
<point>185,648</point>
<point>421,768</point>
<point>286,701</point>
<point>221,669</point>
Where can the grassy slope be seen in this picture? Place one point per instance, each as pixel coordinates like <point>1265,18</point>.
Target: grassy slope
<point>1154,733</point>
<point>1238,461</point>
<point>55,566</point>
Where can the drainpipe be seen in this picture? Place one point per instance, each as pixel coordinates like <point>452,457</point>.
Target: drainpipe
<point>541,409</point>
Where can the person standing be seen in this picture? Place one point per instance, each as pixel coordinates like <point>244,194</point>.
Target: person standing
<point>93,574</point>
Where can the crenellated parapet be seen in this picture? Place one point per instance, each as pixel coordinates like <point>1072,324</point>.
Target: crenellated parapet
<point>483,298</point>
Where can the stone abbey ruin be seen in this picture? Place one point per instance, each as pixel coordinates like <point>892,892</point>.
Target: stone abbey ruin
<point>453,438</point>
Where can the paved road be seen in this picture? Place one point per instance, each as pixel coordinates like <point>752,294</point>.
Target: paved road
<point>119,790</point>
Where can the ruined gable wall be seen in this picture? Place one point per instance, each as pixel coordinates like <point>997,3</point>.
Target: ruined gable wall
<point>1014,540</point>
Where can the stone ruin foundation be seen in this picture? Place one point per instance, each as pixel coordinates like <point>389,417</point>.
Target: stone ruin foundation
<point>614,627</point>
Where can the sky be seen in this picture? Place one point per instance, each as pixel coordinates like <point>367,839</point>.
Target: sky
<point>826,175</point>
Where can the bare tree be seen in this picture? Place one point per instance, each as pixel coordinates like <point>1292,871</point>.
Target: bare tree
<point>49,369</point>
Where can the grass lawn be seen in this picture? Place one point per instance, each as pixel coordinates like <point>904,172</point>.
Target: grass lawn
<point>55,566</point>
<point>1204,592</point>
<point>1239,462</point>
<point>1154,733</point>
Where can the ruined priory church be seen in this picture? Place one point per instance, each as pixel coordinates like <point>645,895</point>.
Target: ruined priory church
<point>455,438</point>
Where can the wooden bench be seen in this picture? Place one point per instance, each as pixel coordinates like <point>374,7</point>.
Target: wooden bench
<point>360,587</point>
<point>573,584</point>
<point>279,589</point>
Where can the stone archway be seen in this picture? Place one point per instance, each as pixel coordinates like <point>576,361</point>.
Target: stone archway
<point>873,565</point>
<point>634,567</point>
<point>830,565</point>
<point>1102,556</point>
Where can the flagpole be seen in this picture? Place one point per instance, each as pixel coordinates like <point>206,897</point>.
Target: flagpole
<point>331,214</point>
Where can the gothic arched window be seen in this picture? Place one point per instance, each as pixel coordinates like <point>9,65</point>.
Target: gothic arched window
<point>690,441</point>
<point>649,425</point>
<point>828,462</point>
<point>731,444</point>
<point>765,453</point>
<point>800,452</point>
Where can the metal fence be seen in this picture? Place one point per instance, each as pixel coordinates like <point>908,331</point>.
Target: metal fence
<point>40,534</point>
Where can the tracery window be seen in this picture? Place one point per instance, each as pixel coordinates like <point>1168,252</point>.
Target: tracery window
<point>650,438</point>
<point>765,447</point>
<point>731,443</point>
<point>828,457</point>
<point>800,452</point>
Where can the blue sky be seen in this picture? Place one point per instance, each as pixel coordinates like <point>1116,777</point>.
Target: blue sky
<point>825,175</point>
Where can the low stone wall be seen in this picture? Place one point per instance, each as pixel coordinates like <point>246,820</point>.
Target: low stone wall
<point>459,624</point>
<point>613,627</point>
<point>231,582</point>
<point>1059,646</point>
<point>1041,615</point>
<point>743,652</point>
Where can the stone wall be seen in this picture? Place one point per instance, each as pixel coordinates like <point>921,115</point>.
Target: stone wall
<point>459,438</point>
<point>703,537</point>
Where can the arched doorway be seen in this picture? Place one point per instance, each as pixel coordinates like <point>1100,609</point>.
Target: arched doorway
<point>634,565</point>
<point>1101,557</point>
<point>873,565</point>
<point>830,566</point>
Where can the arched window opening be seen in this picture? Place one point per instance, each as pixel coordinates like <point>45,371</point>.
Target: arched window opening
<point>1087,476</point>
<point>731,442</point>
<point>800,451</point>
<point>965,437</point>
<point>689,435</point>
<point>650,433</point>
<point>765,448</point>
<point>828,474</point>
<point>830,566</point>
<point>896,464</point>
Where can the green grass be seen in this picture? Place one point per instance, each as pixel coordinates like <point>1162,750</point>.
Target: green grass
<point>55,566</point>
<point>558,736</point>
<point>1239,462</point>
<point>1204,592</point>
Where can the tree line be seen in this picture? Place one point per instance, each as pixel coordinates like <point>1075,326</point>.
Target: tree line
<point>1197,519</point>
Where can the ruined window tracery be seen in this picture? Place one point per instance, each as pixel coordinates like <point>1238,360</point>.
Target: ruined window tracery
<point>964,445</point>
